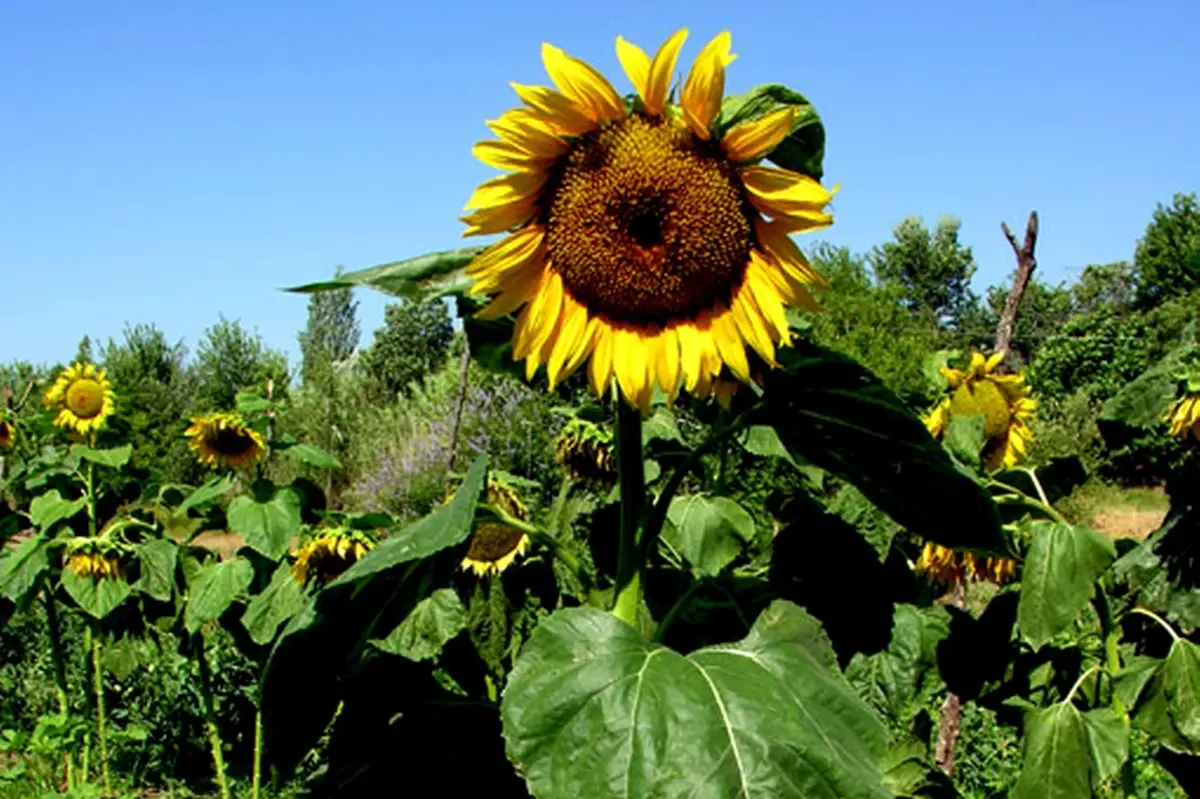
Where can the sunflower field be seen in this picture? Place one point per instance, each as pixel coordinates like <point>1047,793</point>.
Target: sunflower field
<point>672,507</point>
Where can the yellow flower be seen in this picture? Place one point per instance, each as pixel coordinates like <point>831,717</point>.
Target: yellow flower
<point>95,565</point>
<point>1002,399</point>
<point>84,398</point>
<point>1184,416</point>
<point>586,452</point>
<point>495,545</point>
<point>943,564</point>
<point>8,434</point>
<point>223,441</point>
<point>329,554</point>
<point>635,237</point>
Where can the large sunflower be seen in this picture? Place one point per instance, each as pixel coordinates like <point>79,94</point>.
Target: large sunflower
<point>636,237</point>
<point>1002,399</point>
<point>84,398</point>
<point>1184,417</point>
<point>224,441</point>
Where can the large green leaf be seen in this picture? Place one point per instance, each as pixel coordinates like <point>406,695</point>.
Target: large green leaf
<point>860,513</point>
<point>708,531</point>
<point>157,558</point>
<point>214,589</point>
<point>1067,752</point>
<point>1164,570</point>
<point>114,457</point>
<point>448,525</point>
<point>830,411</point>
<point>313,456</point>
<point>803,150</point>
<point>592,709</point>
<point>435,620</point>
<point>207,493</point>
<point>280,600</point>
<point>1169,707</point>
<point>424,277</point>
<point>1057,581</point>
<point>21,568</point>
<point>909,773</point>
<point>1143,401</point>
<point>267,527</point>
<point>98,597</point>
<point>1107,735</point>
<point>898,681</point>
<point>48,509</point>
<point>965,440</point>
<point>661,426</point>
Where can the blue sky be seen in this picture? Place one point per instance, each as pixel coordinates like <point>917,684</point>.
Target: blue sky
<point>169,162</point>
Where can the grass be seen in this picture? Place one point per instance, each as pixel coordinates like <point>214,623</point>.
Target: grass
<point>1116,511</point>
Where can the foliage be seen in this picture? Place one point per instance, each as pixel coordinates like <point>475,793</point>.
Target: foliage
<point>1167,259</point>
<point>932,269</point>
<point>231,359</point>
<point>413,342</point>
<point>330,335</point>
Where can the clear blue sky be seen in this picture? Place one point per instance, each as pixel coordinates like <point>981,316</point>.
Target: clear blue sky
<point>167,162</point>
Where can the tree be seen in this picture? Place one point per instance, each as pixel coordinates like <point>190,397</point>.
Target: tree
<point>230,359</point>
<point>332,332</point>
<point>1044,309</point>
<point>1110,287</point>
<point>1167,257</point>
<point>932,269</point>
<point>414,341</point>
<point>83,354</point>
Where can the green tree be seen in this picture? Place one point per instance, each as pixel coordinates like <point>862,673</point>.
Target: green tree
<point>932,268</point>
<point>1167,257</point>
<point>413,342</point>
<point>332,332</point>
<point>230,359</point>
<point>155,391</point>
<point>83,354</point>
<point>1044,310</point>
<point>1109,287</point>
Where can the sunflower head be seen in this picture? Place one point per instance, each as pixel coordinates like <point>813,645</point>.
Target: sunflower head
<point>638,238</point>
<point>225,441</point>
<point>83,397</point>
<point>944,565</point>
<point>494,545</point>
<point>329,553</point>
<point>1184,417</point>
<point>8,434</point>
<point>95,558</point>
<point>1002,399</point>
<point>585,450</point>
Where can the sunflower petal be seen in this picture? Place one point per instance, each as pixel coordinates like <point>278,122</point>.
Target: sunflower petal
<point>567,340</point>
<point>524,131</point>
<point>775,238</point>
<point>558,111</point>
<point>783,193</point>
<point>600,367</point>
<point>515,247</point>
<point>636,64</point>
<point>729,345</point>
<point>581,83</point>
<point>502,155</point>
<point>501,219</point>
<point>750,141</point>
<point>662,69</point>
<point>507,189</point>
<point>705,86</point>
<point>667,363</point>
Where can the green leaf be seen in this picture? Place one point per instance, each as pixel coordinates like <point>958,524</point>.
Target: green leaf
<point>21,568</point>
<point>708,531</point>
<point>1057,581</point>
<point>207,493</point>
<point>804,149</point>
<point>965,440</point>
<point>114,458</point>
<point>1056,755</point>
<point>1133,677</point>
<point>1144,401</point>
<point>1169,708</point>
<point>214,589</point>
<point>898,681</point>
<point>445,527</point>
<point>432,624</point>
<point>250,403</point>
<point>47,510</point>
<point>97,597</point>
<point>280,600</point>
<point>761,440</point>
<point>267,527</point>
<point>661,426</point>
<point>592,709</point>
<point>908,772</point>
<point>873,524</point>
<point>1161,572</point>
<point>121,657</point>
<point>157,558</point>
<point>424,277</point>
<point>1107,736</point>
<point>829,410</point>
<point>313,456</point>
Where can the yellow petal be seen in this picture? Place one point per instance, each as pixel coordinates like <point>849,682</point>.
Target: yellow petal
<point>750,141</point>
<point>522,130</point>
<point>502,155</point>
<point>993,361</point>
<point>600,367</point>
<point>667,363</point>
<point>783,193</point>
<point>586,344</point>
<point>516,293</point>
<point>629,363</point>
<point>689,354</point>
<point>702,93</point>
<point>518,246</point>
<point>575,321</point>
<point>766,298</point>
<point>582,84</point>
<point>536,322</point>
<point>501,219</point>
<point>751,325</point>
<point>636,64</point>
<point>662,69</point>
<point>515,272</point>
<point>507,189</point>
<point>729,345</point>
<point>775,238</point>
<point>560,113</point>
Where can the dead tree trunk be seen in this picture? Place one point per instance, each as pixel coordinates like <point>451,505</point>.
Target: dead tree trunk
<point>952,710</point>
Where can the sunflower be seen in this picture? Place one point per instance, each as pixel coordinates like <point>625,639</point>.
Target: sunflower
<point>98,558</point>
<point>948,566</point>
<point>636,237</point>
<point>84,398</point>
<point>8,433</point>
<point>1003,400</point>
<point>329,554</point>
<point>224,441</point>
<point>585,450</point>
<point>1184,416</point>
<point>495,545</point>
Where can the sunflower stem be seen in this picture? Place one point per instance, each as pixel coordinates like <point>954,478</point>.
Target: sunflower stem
<point>101,734</point>
<point>210,717</point>
<point>256,778</point>
<point>60,672</point>
<point>631,474</point>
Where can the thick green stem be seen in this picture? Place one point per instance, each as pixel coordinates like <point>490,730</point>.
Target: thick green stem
<point>256,779</point>
<point>631,474</point>
<point>101,734</point>
<point>56,652</point>
<point>210,716</point>
<point>91,498</point>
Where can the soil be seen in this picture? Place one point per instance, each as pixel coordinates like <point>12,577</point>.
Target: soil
<point>1128,523</point>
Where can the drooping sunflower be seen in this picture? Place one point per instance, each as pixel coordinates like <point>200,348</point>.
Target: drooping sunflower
<point>97,558</point>
<point>330,553</point>
<point>950,566</point>
<point>8,433</point>
<point>1184,417</point>
<point>495,545</point>
<point>84,398</point>
<point>1002,399</point>
<point>224,441</point>
<point>585,450</point>
<point>637,237</point>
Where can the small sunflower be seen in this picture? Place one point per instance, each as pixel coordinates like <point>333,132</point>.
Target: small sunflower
<point>636,237</point>
<point>8,434</point>
<point>83,396</point>
<point>224,441</point>
<point>1002,399</point>
<point>329,554</point>
<point>495,545</point>
<point>97,558</point>
<point>585,450</point>
<point>1184,417</point>
<point>945,565</point>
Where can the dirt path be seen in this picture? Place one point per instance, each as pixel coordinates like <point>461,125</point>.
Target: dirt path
<point>1128,523</point>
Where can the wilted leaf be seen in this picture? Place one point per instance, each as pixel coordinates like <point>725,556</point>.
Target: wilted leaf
<point>803,150</point>
<point>422,278</point>
<point>157,558</point>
